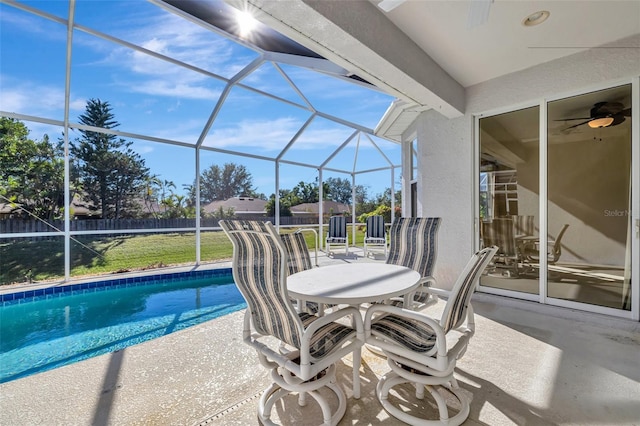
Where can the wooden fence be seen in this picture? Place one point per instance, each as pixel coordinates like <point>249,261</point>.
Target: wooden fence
<point>14,226</point>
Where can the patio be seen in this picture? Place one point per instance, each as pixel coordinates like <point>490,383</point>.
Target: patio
<point>527,364</point>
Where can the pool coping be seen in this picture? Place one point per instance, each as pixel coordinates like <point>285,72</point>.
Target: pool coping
<point>37,291</point>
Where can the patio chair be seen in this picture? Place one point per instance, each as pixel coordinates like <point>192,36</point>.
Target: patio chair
<point>413,244</point>
<point>375,234</point>
<point>422,350</point>
<point>313,344</point>
<point>500,232</point>
<point>298,260</point>
<point>337,234</point>
<point>524,225</point>
<point>554,249</point>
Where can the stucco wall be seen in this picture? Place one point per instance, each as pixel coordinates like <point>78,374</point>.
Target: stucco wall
<point>446,150</point>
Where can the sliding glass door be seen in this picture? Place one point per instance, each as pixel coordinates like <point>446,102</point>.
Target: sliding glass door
<point>589,186</point>
<point>561,215</point>
<point>509,195</point>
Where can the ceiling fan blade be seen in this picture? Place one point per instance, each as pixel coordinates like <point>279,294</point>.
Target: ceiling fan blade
<point>389,5</point>
<point>606,108</point>
<point>576,125</point>
<point>617,119</point>
<point>478,13</point>
<point>626,112</point>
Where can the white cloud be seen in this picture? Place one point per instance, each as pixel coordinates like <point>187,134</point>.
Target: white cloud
<point>175,37</point>
<point>170,88</point>
<point>32,98</point>
<point>273,135</point>
<point>144,149</point>
<point>266,135</point>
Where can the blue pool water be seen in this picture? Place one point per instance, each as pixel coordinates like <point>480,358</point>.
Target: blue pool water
<point>56,330</point>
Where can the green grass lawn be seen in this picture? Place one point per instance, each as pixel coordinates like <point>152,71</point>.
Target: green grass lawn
<point>23,259</point>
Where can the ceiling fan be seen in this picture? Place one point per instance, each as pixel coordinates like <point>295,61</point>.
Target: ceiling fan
<point>603,114</point>
<point>478,10</point>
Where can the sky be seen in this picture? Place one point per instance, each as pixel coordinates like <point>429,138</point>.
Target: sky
<point>166,101</point>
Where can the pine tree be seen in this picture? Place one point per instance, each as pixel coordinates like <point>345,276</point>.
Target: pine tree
<point>111,175</point>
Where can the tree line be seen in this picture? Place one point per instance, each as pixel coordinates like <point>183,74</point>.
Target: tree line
<point>108,177</point>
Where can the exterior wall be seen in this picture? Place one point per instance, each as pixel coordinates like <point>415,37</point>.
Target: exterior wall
<point>446,147</point>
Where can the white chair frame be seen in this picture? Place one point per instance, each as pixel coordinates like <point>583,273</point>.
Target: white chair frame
<point>332,240</point>
<point>432,368</point>
<point>292,369</point>
<point>376,241</point>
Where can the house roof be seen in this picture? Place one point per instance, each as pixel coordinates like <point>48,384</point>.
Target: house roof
<point>327,208</point>
<point>238,204</point>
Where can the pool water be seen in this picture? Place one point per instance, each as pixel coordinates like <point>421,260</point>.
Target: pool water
<point>40,335</point>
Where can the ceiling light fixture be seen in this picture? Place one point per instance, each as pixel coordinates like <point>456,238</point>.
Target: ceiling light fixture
<point>536,18</point>
<point>600,122</point>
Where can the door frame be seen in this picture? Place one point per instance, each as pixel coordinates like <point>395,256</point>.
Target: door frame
<point>542,297</point>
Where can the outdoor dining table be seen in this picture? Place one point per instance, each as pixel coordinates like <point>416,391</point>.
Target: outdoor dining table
<point>353,284</point>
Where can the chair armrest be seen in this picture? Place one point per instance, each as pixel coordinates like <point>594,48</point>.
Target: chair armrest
<point>402,312</point>
<point>437,291</point>
<point>427,281</point>
<point>335,315</point>
<point>306,369</point>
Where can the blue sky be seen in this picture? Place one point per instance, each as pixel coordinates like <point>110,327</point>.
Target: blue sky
<point>163,100</point>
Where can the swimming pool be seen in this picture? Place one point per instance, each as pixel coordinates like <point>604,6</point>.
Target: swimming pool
<point>62,325</point>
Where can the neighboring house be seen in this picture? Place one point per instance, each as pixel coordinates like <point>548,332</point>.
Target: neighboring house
<point>8,211</point>
<point>241,206</point>
<point>329,208</point>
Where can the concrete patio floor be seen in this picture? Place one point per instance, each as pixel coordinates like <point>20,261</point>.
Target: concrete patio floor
<point>528,364</point>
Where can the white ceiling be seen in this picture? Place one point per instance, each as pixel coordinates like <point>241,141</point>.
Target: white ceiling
<point>425,53</point>
<point>502,45</point>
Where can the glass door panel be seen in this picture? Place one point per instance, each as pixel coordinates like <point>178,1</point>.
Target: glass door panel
<point>589,199</point>
<point>509,197</point>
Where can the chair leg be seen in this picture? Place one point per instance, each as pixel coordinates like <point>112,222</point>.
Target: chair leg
<point>283,386</point>
<point>357,362</point>
<point>392,379</point>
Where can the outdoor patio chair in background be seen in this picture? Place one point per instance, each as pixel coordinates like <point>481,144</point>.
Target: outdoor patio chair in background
<point>297,252</point>
<point>298,260</point>
<point>424,351</point>
<point>501,232</point>
<point>375,234</point>
<point>337,234</point>
<point>312,345</point>
<point>554,249</point>
<point>524,225</point>
<point>413,244</point>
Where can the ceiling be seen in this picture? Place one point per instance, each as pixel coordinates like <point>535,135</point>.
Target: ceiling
<point>425,52</point>
<point>502,45</point>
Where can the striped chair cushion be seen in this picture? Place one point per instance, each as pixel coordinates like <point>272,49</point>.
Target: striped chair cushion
<point>418,336</point>
<point>524,225</point>
<point>458,302</point>
<point>256,264</point>
<point>413,243</point>
<point>375,229</point>
<point>299,259</point>
<point>500,232</point>
<point>337,229</point>
<point>413,335</point>
<point>297,251</point>
<point>327,338</point>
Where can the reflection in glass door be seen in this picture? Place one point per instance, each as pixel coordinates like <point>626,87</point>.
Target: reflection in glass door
<point>589,188</point>
<point>509,197</point>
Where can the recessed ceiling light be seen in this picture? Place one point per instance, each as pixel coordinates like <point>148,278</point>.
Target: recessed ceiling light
<point>535,18</point>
